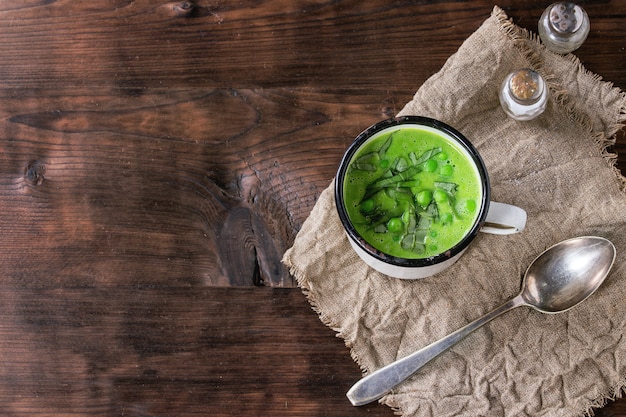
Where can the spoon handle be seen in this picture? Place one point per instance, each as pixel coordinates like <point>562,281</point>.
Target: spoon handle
<point>378,383</point>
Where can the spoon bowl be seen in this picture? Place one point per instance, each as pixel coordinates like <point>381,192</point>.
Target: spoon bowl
<point>561,277</point>
<point>567,273</point>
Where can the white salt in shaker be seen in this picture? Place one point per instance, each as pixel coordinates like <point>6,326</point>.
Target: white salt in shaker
<point>563,27</point>
<point>524,94</point>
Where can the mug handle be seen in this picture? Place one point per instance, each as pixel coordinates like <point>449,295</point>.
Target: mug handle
<point>504,219</point>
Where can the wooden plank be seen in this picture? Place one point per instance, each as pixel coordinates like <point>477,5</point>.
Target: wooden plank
<point>155,177</point>
<point>139,44</point>
<point>153,154</point>
<point>115,190</point>
<point>137,351</point>
<point>184,351</point>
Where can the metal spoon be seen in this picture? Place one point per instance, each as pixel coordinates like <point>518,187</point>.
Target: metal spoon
<point>558,279</point>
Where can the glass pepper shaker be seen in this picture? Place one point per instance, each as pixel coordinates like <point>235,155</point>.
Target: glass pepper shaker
<point>563,27</point>
<point>524,94</point>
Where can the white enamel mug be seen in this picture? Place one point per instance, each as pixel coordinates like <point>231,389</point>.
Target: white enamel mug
<point>493,217</point>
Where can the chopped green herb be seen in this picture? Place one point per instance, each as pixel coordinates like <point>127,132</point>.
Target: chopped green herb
<point>448,187</point>
<point>383,149</point>
<point>427,155</point>
<point>393,180</point>
<point>402,196</point>
<point>381,228</point>
<point>402,165</point>
<point>431,211</point>
<point>365,166</point>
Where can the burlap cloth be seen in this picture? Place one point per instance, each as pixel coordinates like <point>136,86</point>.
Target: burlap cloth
<point>558,169</point>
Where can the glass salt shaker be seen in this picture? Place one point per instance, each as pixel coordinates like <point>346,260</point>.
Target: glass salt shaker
<point>524,94</point>
<point>563,27</point>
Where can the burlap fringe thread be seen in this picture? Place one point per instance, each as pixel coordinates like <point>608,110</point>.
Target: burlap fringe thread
<point>521,38</point>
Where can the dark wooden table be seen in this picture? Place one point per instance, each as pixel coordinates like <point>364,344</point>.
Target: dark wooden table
<point>156,160</point>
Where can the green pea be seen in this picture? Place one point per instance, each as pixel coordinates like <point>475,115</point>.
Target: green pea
<point>384,164</point>
<point>424,197</point>
<point>395,225</point>
<point>442,156</point>
<point>446,170</point>
<point>470,205</point>
<point>367,205</point>
<point>446,218</point>
<point>430,165</point>
<point>440,196</point>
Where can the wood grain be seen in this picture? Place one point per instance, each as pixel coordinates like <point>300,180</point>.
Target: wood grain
<point>157,159</point>
<point>130,351</point>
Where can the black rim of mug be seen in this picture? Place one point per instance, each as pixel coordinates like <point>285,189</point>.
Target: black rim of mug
<point>421,121</point>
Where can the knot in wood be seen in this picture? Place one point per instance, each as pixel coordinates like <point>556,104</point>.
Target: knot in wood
<point>34,172</point>
<point>387,111</point>
<point>183,8</point>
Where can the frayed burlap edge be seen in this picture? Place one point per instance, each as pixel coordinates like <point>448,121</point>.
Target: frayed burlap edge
<point>328,321</point>
<point>304,285</point>
<point>614,393</point>
<point>529,44</point>
<point>521,39</point>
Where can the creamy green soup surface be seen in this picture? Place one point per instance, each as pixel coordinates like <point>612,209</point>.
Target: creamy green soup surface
<point>412,193</point>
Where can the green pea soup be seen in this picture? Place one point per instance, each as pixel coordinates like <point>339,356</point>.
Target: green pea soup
<point>412,192</point>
